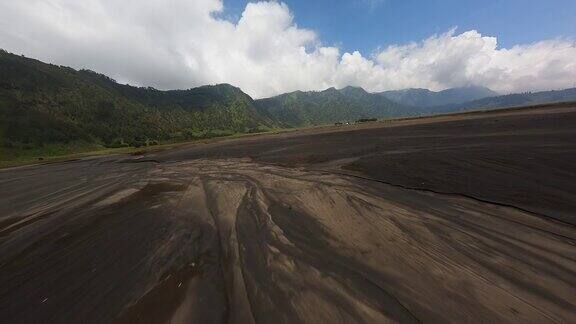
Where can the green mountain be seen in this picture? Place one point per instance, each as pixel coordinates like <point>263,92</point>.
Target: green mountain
<point>43,103</point>
<point>320,107</point>
<point>427,98</point>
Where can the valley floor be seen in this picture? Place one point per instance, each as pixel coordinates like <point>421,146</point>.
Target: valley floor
<point>466,218</point>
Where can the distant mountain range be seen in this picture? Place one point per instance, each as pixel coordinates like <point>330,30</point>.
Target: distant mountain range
<point>320,107</point>
<point>43,104</point>
<point>512,100</point>
<point>427,98</point>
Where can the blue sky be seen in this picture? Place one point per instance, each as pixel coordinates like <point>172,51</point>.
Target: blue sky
<point>270,47</point>
<point>367,24</point>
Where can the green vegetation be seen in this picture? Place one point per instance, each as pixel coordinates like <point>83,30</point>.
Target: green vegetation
<point>48,110</point>
<point>72,150</point>
<point>31,154</point>
<point>326,107</point>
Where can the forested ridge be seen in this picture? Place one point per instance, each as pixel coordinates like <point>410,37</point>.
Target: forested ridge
<point>42,105</point>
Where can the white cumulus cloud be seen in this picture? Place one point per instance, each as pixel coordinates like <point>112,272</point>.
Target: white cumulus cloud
<point>182,43</point>
<point>451,60</point>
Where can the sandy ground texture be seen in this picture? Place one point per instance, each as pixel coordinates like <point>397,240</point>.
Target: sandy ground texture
<point>467,218</point>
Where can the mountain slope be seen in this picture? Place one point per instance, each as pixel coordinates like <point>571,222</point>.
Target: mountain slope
<point>43,103</point>
<point>427,98</point>
<point>518,99</point>
<point>319,107</point>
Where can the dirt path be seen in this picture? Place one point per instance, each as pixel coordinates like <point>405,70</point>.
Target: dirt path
<point>237,241</point>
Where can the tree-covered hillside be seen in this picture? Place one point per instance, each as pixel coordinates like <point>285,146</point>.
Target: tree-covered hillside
<point>44,103</point>
<point>319,107</point>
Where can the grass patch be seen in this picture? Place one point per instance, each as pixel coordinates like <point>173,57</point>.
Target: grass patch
<point>11,157</point>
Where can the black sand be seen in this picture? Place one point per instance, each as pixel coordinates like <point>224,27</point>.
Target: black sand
<point>467,218</point>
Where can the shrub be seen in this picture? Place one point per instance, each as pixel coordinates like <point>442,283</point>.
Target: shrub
<point>116,143</point>
<point>260,129</point>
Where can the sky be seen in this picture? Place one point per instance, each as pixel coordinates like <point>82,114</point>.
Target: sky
<point>271,47</point>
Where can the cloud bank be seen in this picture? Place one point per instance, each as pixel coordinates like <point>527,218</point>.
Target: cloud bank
<point>171,44</point>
